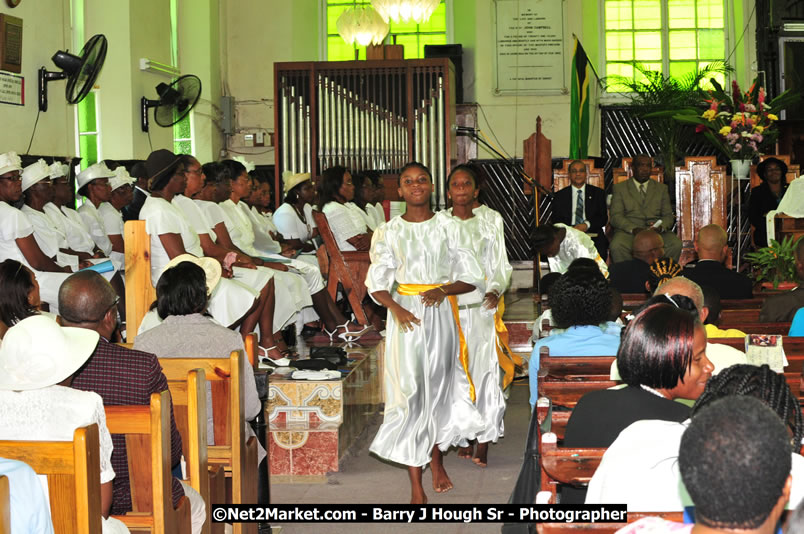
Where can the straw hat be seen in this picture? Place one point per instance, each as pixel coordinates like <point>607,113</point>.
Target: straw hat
<point>35,173</point>
<point>10,161</point>
<point>37,352</point>
<point>212,269</point>
<point>292,180</point>
<point>93,172</point>
<point>121,177</point>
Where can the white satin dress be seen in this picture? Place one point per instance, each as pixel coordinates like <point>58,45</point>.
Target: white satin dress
<point>484,235</point>
<point>576,244</point>
<point>427,398</point>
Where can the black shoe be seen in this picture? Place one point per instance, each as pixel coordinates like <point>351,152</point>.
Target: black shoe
<point>309,331</point>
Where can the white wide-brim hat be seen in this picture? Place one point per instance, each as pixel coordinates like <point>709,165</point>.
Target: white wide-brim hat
<point>292,180</point>
<point>10,161</point>
<point>37,353</point>
<point>58,169</point>
<point>211,266</point>
<point>35,173</point>
<point>121,177</point>
<point>93,172</point>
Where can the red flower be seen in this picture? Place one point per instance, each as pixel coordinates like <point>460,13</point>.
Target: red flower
<point>700,128</point>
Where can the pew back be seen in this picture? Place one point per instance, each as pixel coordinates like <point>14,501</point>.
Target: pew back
<point>140,293</point>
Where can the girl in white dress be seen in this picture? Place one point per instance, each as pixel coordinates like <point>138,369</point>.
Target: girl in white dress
<point>485,237</point>
<point>346,220</point>
<point>417,264</point>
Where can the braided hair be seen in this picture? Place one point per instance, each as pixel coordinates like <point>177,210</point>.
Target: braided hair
<point>762,383</point>
<point>661,271</point>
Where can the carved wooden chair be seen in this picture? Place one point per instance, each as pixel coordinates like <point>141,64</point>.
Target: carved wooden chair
<point>594,176</point>
<point>702,197</point>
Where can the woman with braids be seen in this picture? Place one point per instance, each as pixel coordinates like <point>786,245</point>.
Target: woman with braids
<point>661,271</point>
<point>647,451</point>
<point>580,302</point>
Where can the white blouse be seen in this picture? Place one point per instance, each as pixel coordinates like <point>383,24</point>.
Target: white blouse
<point>97,230</point>
<point>161,217</point>
<point>291,226</point>
<point>14,225</point>
<point>77,232</point>
<point>111,218</point>
<point>345,223</point>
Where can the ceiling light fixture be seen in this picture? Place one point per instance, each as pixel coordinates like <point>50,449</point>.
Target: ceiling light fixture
<point>398,11</point>
<point>362,24</point>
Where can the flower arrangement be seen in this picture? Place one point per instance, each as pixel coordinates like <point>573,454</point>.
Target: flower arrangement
<point>776,263</point>
<point>741,124</point>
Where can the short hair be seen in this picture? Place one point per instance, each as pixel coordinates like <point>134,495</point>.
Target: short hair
<point>760,382</point>
<point>413,165</point>
<point>712,303</point>
<point>580,298</point>
<point>85,297</point>
<point>468,169</point>
<point>331,181</point>
<point>235,168</point>
<point>181,290</point>
<point>359,180</point>
<point>186,159</point>
<point>214,171</point>
<point>583,264</point>
<point>17,282</point>
<point>657,345</point>
<point>543,236</point>
<point>548,281</point>
<point>662,270</point>
<point>694,289</point>
<point>735,459</point>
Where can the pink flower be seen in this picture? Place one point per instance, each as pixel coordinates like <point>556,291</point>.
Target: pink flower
<point>732,137</point>
<point>742,107</point>
<point>761,97</point>
<point>758,138</point>
<point>738,147</point>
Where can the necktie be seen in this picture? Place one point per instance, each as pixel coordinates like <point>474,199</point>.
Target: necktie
<point>579,208</point>
<point>643,191</point>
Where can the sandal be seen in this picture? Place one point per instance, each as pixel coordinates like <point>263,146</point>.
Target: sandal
<point>272,362</point>
<point>350,335</point>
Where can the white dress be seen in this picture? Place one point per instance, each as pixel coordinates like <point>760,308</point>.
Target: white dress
<point>484,235</point>
<point>89,213</point>
<point>427,397</point>
<point>345,223</point>
<point>232,297</point>
<point>376,212</point>
<point>264,224</point>
<point>77,233</point>
<point>284,310</point>
<point>576,244</point>
<point>289,224</point>
<point>52,414</point>
<point>14,224</point>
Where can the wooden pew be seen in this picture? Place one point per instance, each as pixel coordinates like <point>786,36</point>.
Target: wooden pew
<point>73,477</point>
<point>5,506</point>
<point>574,367</point>
<point>140,293</point>
<point>347,268</point>
<point>566,466</point>
<point>189,395</point>
<point>231,451</point>
<point>147,430</point>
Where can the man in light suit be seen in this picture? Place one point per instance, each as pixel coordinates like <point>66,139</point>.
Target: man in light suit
<point>638,204</point>
<point>583,206</point>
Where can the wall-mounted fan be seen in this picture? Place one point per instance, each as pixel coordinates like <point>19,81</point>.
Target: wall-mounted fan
<point>175,101</point>
<point>80,71</point>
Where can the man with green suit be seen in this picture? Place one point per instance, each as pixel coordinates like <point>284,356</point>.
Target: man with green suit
<point>639,204</point>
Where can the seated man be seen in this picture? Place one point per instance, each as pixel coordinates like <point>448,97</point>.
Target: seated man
<point>562,244</point>
<point>631,276</point>
<point>120,376</point>
<point>583,206</point>
<point>580,301</point>
<point>738,438</point>
<point>781,308</point>
<point>637,204</point>
<point>712,248</point>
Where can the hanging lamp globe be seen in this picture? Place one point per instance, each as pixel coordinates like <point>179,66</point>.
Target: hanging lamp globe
<point>362,24</point>
<point>398,11</point>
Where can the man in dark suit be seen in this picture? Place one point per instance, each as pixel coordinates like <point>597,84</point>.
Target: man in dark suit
<point>583,206</point>
<point>712,249</point>
<point>632,276</point>
<point>782,308</point>
<point>637,204</point>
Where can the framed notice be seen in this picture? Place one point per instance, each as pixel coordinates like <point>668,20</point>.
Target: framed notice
<point>12,89</point>
<point>529,47</point>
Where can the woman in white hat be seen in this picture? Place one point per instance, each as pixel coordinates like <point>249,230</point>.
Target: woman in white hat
<point>93,183</point>
<point>294,218</point>
<point>17,239</point>
<point>38,359</point>
<point>110,211</point>
<point>60,210</point>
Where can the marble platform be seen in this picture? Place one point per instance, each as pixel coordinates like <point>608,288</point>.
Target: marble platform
<point>311,424</point>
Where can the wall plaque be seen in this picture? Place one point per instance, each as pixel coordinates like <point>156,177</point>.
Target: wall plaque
<point>529,47</point>
<point>10,43</point>
<point>12,89</point>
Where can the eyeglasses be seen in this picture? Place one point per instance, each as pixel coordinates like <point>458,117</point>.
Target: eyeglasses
<point>99,319</point>
<point>16,177</point>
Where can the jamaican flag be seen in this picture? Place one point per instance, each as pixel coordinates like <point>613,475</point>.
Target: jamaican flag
<point>579,104</point>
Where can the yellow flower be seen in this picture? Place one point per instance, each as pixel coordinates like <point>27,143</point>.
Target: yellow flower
<point>709,114</point>
<point>726,130</point>
<point>772,117</point>
<point>759,129</point>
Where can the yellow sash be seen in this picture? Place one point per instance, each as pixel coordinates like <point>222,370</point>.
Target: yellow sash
<point>416,289</point>
<point>508,360</point>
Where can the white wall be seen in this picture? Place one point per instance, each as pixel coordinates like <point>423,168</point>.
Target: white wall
<point>45,31</point>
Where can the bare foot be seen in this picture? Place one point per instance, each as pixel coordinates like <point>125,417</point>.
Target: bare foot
<point>417,495</point>
<point>466,452</point>
<point>441,482</point>
<point>481,454</point>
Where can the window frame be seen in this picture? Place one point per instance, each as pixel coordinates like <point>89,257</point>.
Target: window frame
<point>615,97</point>
<point>323,23</point>
<point>96,132</point>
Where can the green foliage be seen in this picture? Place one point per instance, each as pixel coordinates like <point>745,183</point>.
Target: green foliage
<point>657,98</point>
<point>776,263</point>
